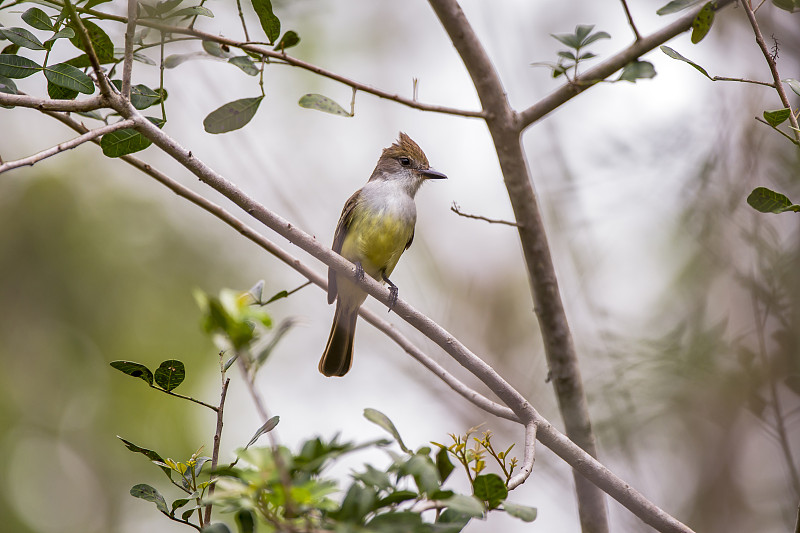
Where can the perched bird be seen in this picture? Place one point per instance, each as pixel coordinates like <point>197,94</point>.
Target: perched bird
<point>376,227</point>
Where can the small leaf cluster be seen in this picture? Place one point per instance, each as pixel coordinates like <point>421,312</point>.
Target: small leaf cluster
<point>577,42</point>
<point>184,475</point>
<point>289,492</point>
<point>166,377</point>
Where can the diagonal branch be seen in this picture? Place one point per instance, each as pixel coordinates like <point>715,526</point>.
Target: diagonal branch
<point>608,67</point>
<point>92,103</point>
<point>67,145</point>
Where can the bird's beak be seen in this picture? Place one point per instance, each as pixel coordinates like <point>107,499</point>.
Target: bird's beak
<point>433,174</point>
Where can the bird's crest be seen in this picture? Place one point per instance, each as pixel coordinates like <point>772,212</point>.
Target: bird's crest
<point>405,146</point>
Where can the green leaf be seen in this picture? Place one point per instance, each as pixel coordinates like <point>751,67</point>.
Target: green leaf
<point>268,426</point>
<point>356,504</point>
<point>636,70</point>
<point>7,86</point>
<point>172,61</point>
<point>675,55</point>
<point>150,454</point>
<point>451,521</point>
<point>523,512</point>
<point>786,5</point>
<point>170,374</point>
<point>10,49</point>
<point>22,37</point>
<point>101,42</point>
<point>376,417</point>
<point>142,96</point>
<point>793,85</point>
<point>216,49</point>
<point>582,31</point>
<point>289,39</point>
<point>675,6</point>
<point>702,22</point>
<point>141,58</point>
<point>269,22</point>
<point>595,37</point>
<point>164,6</point>
<point>443,464</point>
<point>373,477</point>
<point>136,370</point>
<point>568,39</point>
<point>491,489</point>
<point>216,527</point>
<point>36,18</point>
<point>322,103</point>
<point>193,12</point>
<point>424,472</point>
<point>395,497</point>
<point>245,521</point>
<point>775,118</point>
<point>767,201</point>
<point>232,116</point>
<point>463,504</point>
<point>150,494</point>
<point>245,64</point>
<point>63,33</point>
<point>69,77</point>
<point>126,141</point>
<point>395,522</point>
<point>57,92</point>
<point>177,504</point>
<point>257,291</point>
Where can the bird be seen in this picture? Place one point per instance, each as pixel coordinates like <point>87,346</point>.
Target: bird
<point>375,228</point>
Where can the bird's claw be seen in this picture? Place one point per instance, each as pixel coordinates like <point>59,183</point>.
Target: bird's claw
<point>393,293</point>
<point>359,272</point>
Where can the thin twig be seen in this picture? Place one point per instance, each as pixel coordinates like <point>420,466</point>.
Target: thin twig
<point>183,397</point>
<point>528,457</point>
<point>773,67</point>
<point>455,208</point>
<point>241,17</point>
<point>83,35</point>
<point>743,80</point>
<point>67,145</point>
<point>759,119</point>
<point>217,439</point>
<point>127,65</point>
<point>287,59</point>
<point>630,20</point>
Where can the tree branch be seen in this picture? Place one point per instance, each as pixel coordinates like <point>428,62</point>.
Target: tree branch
<point>92,103</point>
<point>67,145</point>
<point>608,67</point>
<point>773,66</point>
<point>528,457</point>
<point>83,35</point>
<point>283,57</point>
<point>559,349</point>
<point>127,64</point>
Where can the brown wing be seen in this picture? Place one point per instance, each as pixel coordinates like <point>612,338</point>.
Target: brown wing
<point>338,239</point>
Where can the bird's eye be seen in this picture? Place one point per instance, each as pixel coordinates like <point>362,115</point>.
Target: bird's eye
<point>406,162</point>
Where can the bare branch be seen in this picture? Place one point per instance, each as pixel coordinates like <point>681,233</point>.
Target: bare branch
<point>83,35</point>
<point>528,457</point>
<point>127,65</point>
<point>630,20</point>
<point>287,59</point>
<point>608,67</point>
<point>744,80</point>
<point>455,208</point>
<point>773,67</point>
<point>45,104</point>
<point>68,145</point>
<point>217,440</point>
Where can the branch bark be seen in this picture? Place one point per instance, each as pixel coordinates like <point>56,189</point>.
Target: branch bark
<point>562,360</point>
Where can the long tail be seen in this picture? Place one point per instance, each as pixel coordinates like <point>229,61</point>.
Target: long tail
<point>338,356</point>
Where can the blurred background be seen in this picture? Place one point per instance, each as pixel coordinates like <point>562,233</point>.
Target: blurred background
<point>683,301</point>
